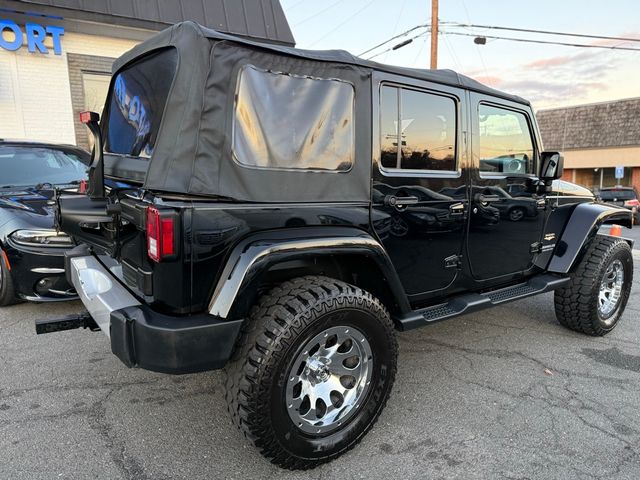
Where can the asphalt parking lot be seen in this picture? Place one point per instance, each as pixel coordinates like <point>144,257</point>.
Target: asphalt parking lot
<point>506,393</point>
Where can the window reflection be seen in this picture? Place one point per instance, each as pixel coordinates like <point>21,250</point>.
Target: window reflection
<point>505,141</point>
<point>137,104</point>
<point>288,121</point>
<point>417,130</point>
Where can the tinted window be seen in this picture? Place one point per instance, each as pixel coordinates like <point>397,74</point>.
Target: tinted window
<point>24,166</point>
<point>417,129</point>
<point>137,103</point>
<point>285,121</point>
<point>505,141</point>
<point>617,194</point>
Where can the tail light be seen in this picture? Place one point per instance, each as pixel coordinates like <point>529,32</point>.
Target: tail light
<point>161,234</point>
<point>632,203</point>
<point>82,186</point>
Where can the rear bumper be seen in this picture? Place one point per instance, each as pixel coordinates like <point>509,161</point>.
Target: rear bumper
<point>143,338</point>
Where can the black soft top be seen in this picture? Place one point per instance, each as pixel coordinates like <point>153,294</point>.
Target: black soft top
<point>193,151</point>
<point>170,36</point>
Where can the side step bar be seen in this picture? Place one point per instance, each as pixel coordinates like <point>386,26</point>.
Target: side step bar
<point>472,302</point>
<point>69,322</point>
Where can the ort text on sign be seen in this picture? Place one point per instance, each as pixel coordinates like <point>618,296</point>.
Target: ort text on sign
<point>12,37</point>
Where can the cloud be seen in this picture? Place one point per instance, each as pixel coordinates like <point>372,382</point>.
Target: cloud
<point>578,76</point>
<point>561,80</point>
<point>550,90</point>
<point>489,80</point>
<point>545,63</point>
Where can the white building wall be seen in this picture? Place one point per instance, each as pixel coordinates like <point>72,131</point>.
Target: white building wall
<point>35,95</point>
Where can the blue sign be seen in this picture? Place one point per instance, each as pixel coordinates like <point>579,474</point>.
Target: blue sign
<point>35,36</point>
<point>619,171</point>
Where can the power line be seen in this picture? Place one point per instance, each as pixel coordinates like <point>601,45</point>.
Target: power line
<point>546,32</point>
<point>393,38</point>
<point>318,13</point>
<point>395,27</point>
<point>346,20</point>
<point>484,65</point>
<point>295,5</point>
<point>395,47</point>
<point>515,39</point>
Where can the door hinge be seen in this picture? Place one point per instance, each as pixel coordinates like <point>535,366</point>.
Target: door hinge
<point>454,261</point>
<point>536,247</point>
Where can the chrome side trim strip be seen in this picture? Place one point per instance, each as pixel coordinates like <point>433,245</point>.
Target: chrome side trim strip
<point>47,270</point>
<point>247,256</point>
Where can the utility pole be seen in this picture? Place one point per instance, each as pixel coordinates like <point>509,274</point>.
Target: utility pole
<point>434,34</point>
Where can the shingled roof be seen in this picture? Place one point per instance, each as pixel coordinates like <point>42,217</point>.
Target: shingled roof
<point>596,125</point>
<point>262,20</point>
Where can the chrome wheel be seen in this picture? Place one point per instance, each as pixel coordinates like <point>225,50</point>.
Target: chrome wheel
<point>611,290</point>
<point>516,214</point>
<point>329,379</point>
<point>399,228</point>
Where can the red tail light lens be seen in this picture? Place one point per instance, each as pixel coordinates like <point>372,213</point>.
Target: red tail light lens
<point>632,203</point>
<point>82,186</point>
<point>160,234</point>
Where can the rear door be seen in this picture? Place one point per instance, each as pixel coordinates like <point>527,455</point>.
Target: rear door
<point>505,229</point>
<point>419,182</point>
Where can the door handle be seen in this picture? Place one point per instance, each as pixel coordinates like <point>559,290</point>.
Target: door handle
<point>482,198</point>
<point>400,201</point>
<point>456,209</point>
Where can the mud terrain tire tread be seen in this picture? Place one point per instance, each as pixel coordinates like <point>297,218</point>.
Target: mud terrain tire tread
<point>576,304</point>
<point>273,324</point>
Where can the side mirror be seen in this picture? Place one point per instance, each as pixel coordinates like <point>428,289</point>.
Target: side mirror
<point>552,165</point>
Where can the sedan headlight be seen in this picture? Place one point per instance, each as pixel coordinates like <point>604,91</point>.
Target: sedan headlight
<point>47,237</point>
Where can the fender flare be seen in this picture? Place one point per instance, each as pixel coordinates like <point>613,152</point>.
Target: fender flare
<point>254,255</point>
<point>580,230</point>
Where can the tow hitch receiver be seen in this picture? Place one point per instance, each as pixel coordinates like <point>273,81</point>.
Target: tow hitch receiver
<point>68,322</point>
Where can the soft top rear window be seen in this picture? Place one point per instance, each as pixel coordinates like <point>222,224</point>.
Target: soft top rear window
<point>137,101</point>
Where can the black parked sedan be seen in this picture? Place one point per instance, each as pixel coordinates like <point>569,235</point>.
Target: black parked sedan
<point>626,197</point>
<point>31,250</point>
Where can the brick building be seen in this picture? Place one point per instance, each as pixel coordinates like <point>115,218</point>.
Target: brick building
<point>56,55</point>
<point>595,138</point>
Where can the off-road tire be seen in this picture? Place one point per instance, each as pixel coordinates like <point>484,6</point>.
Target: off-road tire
<point>576,304</point>
<point>7,292</point>
<point>282,321</point>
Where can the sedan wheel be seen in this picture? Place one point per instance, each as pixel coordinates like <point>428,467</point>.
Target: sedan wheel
<point>516,214</point>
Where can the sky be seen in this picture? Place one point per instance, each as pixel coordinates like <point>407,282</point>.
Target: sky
<point>548,75</point>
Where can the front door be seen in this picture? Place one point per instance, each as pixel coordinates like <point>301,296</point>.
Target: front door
<point>505,228</point>
<point>420,201</point>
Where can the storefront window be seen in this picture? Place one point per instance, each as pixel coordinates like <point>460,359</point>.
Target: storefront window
<point>96,87</point>
<point>606,177</point>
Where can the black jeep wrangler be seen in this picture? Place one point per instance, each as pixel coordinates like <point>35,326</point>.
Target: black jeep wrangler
<point>280,213</point>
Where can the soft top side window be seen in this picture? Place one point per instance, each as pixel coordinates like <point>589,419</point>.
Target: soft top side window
<point>292,122</point>
<point>417,130</point>
<point>506,145</point>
